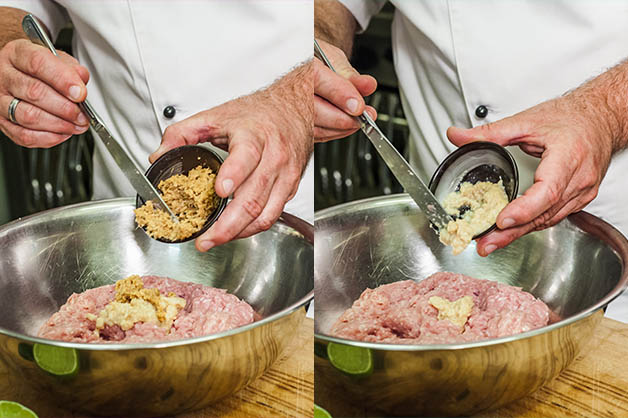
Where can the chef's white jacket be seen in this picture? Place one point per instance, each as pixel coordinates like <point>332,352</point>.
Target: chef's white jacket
<point>452,56</point>
<point>193,55</point>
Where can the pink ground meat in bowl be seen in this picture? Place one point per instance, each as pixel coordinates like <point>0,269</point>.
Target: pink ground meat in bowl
<point>400,312</point>
<point>207,311</point>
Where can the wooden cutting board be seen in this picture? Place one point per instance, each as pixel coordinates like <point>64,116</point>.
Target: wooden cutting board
<point>594,385</point>
<point>286,390</point>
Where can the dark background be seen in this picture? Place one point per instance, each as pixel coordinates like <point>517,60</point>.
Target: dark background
<point>350,169</point>
<point>39,179</point>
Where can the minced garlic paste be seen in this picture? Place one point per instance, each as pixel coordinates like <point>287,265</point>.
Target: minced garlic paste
<point>133,303</point>
<point>457,312</point>
<point>484,199</point>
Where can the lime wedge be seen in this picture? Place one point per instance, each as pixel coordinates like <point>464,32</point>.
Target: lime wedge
<point>320,412</point>
<point>60,361</point>
<point>356,361</point>
<point>10,409</point>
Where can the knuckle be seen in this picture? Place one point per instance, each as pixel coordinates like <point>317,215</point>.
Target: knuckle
<point>264,223</point>
<point>68,58</point>
<point>293,173</point>
<point>69,110</point>
<point>269,131</point>
<point>35,91</point>
<point>170,131</point>
<point>37,62</point>
<point>487,128</point>
<point>592,194</point>
<point>254,153</point>
<point>252,207</point>
<point>174,133</point>
<point>281,159</point>
<point>26,139</point>
<point>263,180</point>
<point>542,221</point>
<point>30,115</point>
<point>553,194</point>
<point>590,179</point>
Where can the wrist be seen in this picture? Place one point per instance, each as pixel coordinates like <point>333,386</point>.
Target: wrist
<point>291,96</point>
<point>603,102</point>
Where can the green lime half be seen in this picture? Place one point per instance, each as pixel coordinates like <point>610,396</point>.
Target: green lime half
<point>60,361</point>
<point>356,361</point>
<point>10,409</point>
<point>320,412</point>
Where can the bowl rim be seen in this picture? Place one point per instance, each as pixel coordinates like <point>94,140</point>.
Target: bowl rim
<point>287,220</point>
<point>615,239</point>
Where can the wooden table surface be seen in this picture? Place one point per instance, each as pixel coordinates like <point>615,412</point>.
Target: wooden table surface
<point>594,385</point>
<point>286,390</point>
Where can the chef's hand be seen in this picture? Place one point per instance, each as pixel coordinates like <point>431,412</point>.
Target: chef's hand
<point>269,138</point>
<point>339,97</point>
<point>575,150</point>
<point>49,88</point>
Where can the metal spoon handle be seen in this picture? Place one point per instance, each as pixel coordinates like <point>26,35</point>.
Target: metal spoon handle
<point>404,173</point>
<point>33,29</point>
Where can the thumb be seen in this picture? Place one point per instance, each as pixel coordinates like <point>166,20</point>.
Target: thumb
<point>504,132</point>
<point>191,131</point>
<point>338,60</point>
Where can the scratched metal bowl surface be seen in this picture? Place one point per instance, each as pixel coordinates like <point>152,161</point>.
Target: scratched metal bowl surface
<point>48,256</point>
<point>577,267</point>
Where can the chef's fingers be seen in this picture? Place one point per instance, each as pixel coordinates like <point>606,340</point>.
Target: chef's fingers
<point>533,149</point>
<point>324,134</point>
<point>35,118</point>
<point>245,155</point>
<point>190,131</point>
<point>338,59</point>
<point>247,205</point>
<point>282,192</point>
<point>551,179</point>
<point>40,63</point>
<point>502,237</point>
<point>337,90</point>
<point>82,71</point>
<point>365,84</point>
<point>30,138</point>
<point>507,131</point>
<point>24,87</point>
<point>327,115</point>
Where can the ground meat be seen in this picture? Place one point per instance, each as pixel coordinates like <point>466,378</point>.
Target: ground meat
<point>207,311</point>
<point>401,313</point>
<point>112,333</point>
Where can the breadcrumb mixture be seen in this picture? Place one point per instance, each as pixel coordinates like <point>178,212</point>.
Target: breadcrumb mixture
<point>191,197</point>
<point>134,303</point>
<point>484,201</point>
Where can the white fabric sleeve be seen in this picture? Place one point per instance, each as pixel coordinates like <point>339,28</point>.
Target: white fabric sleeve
<point>363,10</point>
<point>49,12</point>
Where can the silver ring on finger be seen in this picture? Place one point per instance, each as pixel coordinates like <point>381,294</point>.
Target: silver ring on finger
<point>12,107</point>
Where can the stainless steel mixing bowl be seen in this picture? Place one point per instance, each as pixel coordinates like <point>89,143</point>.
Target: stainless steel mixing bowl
<point>577,267</point>
<point>46,257</point>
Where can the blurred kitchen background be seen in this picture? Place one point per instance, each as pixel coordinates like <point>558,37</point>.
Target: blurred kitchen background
<point>350,169</point>
<point>32,180</point>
